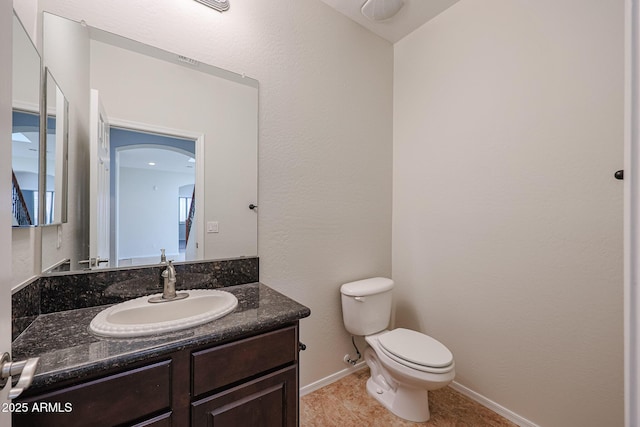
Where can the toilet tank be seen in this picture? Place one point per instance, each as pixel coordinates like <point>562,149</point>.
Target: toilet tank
<point>366,305</point>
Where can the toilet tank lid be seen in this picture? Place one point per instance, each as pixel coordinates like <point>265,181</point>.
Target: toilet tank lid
<point>365,287</point>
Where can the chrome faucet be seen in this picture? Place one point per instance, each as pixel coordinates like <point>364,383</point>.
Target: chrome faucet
<point>169,276</point>
<point>169,291</point>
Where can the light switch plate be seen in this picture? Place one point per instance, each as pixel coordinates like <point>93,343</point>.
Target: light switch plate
<point>212,226</point>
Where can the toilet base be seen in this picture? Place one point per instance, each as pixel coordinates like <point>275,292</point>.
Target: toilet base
<point>411,404</point>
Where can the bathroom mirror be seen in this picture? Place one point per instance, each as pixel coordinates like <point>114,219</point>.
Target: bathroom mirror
<point>25,140</point>
<point>117,85</point>
<point>54,196</point>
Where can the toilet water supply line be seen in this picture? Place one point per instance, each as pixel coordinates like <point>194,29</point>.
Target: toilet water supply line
<point>348,359</point>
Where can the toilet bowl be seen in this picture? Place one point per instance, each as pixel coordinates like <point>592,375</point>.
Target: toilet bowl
<point>404,364</point>
<point>401,385</point>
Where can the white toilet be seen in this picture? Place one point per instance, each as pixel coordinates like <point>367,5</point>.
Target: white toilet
<point>404,364</point>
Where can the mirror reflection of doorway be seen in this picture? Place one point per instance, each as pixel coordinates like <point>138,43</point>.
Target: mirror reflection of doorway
<point>153,203</point>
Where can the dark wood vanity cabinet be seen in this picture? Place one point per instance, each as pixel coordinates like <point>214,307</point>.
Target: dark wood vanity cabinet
<point>249,382</point>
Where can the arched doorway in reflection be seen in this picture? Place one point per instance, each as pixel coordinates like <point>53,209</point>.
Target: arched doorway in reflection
<point>153,188</point>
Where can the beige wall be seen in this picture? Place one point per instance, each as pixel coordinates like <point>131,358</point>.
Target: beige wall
<point>507,222</point>
<point>325,130</point>
<point>27,11</point>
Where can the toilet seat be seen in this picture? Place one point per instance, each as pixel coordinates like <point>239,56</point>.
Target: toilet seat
<point>416,350</point>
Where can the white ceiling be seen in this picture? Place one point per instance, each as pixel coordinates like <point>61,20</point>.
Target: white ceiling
<point>165,159</point>
<point>413,15</point>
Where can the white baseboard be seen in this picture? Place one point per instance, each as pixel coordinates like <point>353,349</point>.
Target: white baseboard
<point>331,379</point>
<point>498,409</point>
<point>484,401</point>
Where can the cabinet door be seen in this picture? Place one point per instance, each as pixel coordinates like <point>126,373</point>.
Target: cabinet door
<point>268,401</point>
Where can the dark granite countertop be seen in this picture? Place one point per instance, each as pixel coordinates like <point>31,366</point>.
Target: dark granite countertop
<point>67,350</point>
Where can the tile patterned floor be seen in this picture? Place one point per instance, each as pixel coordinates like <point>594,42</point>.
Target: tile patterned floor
<point>346,403</point>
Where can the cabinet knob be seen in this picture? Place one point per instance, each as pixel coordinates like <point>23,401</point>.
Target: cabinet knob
<point>619,174</point>
<point>301,346</point>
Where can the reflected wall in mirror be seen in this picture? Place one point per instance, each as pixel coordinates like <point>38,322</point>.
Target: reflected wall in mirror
<point>26,128</point>
<point>149,90</point>
<point>53,198</point>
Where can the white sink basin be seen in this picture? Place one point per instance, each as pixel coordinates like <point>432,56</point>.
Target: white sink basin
<point>138,317</point>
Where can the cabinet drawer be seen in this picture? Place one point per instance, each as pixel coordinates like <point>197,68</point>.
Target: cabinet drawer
<point>116,399</point>
<point>226,364</point>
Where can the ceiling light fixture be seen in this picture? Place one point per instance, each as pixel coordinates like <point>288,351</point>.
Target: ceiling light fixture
<point>380,10</point>
<point>219,5</point>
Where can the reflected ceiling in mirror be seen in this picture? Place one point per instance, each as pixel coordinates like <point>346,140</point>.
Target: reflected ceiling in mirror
<point>151,91</point>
